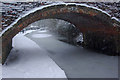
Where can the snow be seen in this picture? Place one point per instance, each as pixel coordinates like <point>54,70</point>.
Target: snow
<point>0,71</point>
<point>116,19</point>
<point>79,38</point>
<point>41,7</point>
<point>42,31</point>
<point>94,8</point>
<point>41,35</point>
<point>27,32</point>
<point>12,1</point>
<point>28,60</point>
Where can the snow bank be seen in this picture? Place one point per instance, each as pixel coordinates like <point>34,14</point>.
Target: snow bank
<point>53,4</point>
<point>28,60</point>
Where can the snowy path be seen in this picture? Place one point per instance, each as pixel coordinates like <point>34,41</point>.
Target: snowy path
<point>28,60</point>
<point>0,71</point>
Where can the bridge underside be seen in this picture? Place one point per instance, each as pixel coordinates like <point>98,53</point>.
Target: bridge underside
<point>98,30</point>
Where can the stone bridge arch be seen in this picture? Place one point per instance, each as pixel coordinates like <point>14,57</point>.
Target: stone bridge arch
<point>90,21</point>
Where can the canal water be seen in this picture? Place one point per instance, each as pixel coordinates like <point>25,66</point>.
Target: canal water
<point>76,62</point>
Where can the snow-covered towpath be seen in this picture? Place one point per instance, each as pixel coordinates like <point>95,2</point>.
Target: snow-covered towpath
<point>0,71</point>
<point>28,60</point>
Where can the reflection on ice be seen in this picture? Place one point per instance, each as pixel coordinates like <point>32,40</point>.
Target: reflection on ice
<point>41,35</point>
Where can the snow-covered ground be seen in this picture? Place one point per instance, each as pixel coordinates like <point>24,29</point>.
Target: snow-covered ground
<point>0,71</point>
<point>28,60</point>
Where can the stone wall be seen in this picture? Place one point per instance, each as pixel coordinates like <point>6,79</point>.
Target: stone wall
<point>102,43</point>
<point>6,50</point>
<point>10,14</point>
<point>65,0</point>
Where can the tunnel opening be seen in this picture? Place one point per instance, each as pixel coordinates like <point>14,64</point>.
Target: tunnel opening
<point>69,33</point>
<point>63,30</point>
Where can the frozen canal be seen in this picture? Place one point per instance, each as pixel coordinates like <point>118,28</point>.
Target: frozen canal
<point>41,55</point>
<point>76,61</point>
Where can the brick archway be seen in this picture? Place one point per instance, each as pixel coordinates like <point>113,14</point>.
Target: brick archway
<point>89,20</point>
